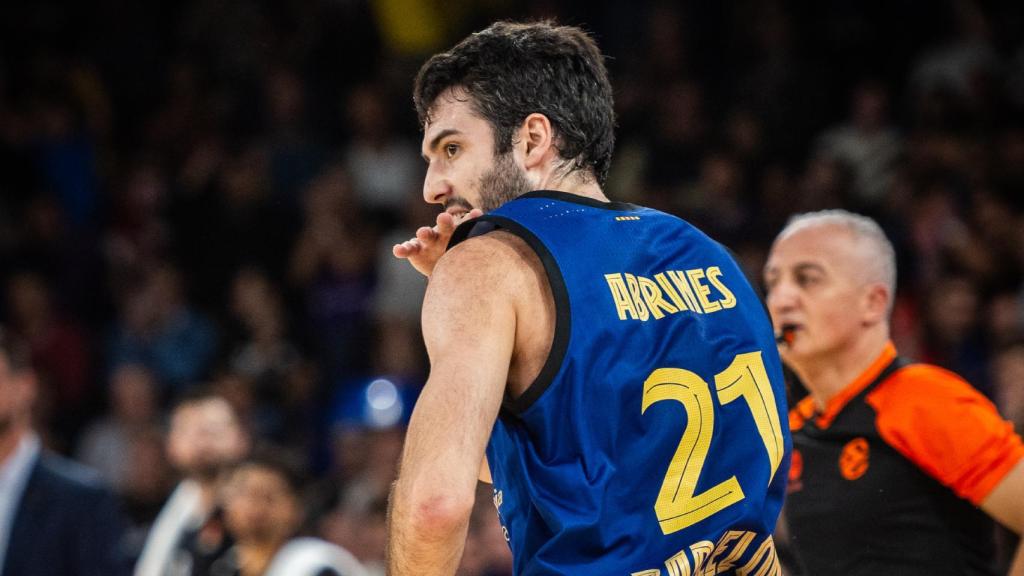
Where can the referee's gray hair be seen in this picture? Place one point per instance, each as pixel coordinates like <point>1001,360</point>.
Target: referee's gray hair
<point>863,228</point>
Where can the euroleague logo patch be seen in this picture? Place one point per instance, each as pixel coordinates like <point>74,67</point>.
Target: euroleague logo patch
<point>855,458</point>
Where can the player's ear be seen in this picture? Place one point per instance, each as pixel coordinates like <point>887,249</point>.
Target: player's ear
<point>538,137</point>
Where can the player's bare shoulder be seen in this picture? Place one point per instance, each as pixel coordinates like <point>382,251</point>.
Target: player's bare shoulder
<point>498,261</point>
<point>500,269</point>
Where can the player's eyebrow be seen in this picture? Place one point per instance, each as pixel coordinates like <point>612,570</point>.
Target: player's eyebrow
<point>437,140</point>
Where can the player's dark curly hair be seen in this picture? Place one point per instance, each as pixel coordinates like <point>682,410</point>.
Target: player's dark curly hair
<point>511,70</point>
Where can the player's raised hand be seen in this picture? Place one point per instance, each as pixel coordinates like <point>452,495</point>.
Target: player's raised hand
<point>429,244</point>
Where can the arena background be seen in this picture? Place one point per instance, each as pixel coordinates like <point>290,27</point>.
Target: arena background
<point>205,193</point>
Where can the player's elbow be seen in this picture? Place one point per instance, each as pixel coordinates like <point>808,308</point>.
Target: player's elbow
<point>434,513</point>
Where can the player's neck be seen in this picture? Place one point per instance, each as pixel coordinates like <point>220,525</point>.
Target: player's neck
<point>574,183</point>
<point>829,374</point>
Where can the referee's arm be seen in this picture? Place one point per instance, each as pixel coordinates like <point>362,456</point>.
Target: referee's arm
<point>1006,505</point>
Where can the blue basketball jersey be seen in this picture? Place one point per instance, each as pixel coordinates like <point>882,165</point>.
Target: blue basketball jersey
<point>655,440</point>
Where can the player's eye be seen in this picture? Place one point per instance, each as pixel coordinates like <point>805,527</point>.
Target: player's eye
<point>451,150</point>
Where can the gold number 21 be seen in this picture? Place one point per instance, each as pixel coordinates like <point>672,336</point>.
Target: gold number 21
<point>677,506</point>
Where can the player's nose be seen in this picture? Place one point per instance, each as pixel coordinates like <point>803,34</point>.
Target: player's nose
<point>436,187</point>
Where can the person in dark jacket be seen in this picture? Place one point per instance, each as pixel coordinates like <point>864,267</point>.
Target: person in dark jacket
<point>57,518</point>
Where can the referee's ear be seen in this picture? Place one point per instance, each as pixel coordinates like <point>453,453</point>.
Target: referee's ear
<point>876,304</point>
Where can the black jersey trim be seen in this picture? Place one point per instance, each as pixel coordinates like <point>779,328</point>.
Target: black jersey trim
<point>563,318</point>
<point>897,363</point>
<point>577,199</point>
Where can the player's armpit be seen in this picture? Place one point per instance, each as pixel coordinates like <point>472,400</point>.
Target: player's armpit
<point>485,472</point>
<point>469,329</point>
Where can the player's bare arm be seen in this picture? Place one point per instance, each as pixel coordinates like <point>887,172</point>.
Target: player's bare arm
<point>1006,505</point>
<point>427,246</point>
<point>469,323</point>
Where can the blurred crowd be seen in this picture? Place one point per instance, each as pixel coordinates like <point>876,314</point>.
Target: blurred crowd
<point>203,195</point>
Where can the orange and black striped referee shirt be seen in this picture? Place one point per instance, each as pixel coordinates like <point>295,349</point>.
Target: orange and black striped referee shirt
<point>888,478</point>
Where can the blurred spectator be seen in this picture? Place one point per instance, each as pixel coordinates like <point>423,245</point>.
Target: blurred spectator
<point>367,427</point>
<point>60,354</point>
<point>137,235</point>
<point>159,330</point>
<point>268,380</point>
<point>952,331</point>
<point>936,231</point>
<point>957,73</point>
<point>868,144</point>
<point>825,183</point>
<point>145,486</point>
<point>368,420</point>
<point>716,202</point>
<point>990,242</point>
<point>397,298</point>
<point>263,511</point>
<point>262,351</point>
<point>133,409</point>
<point>67,158</point>
<point>363,532</point>
<point>1005,319</point>
<point>231,222</point>
<point>36,233</point>
<point>384,167</point>
<point>294,155</point>
<point>1008,382</point>
<point>56,517</point>
<point>331,265</point>
<point>678,128</point>
<point>205,438</point>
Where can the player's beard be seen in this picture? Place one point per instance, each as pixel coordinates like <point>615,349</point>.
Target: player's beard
<point>502,183</point>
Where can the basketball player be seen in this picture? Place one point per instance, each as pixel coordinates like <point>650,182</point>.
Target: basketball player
<point>611,360</point>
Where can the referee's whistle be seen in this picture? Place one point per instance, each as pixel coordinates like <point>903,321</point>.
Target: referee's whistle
<point>785,335</point>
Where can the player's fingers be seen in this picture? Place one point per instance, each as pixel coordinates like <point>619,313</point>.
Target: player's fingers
<point>426,234</point>
<point>408,248</point>
<point>445,224</point>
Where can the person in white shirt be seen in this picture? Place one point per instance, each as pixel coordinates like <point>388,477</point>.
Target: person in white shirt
<point>205,438</point>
